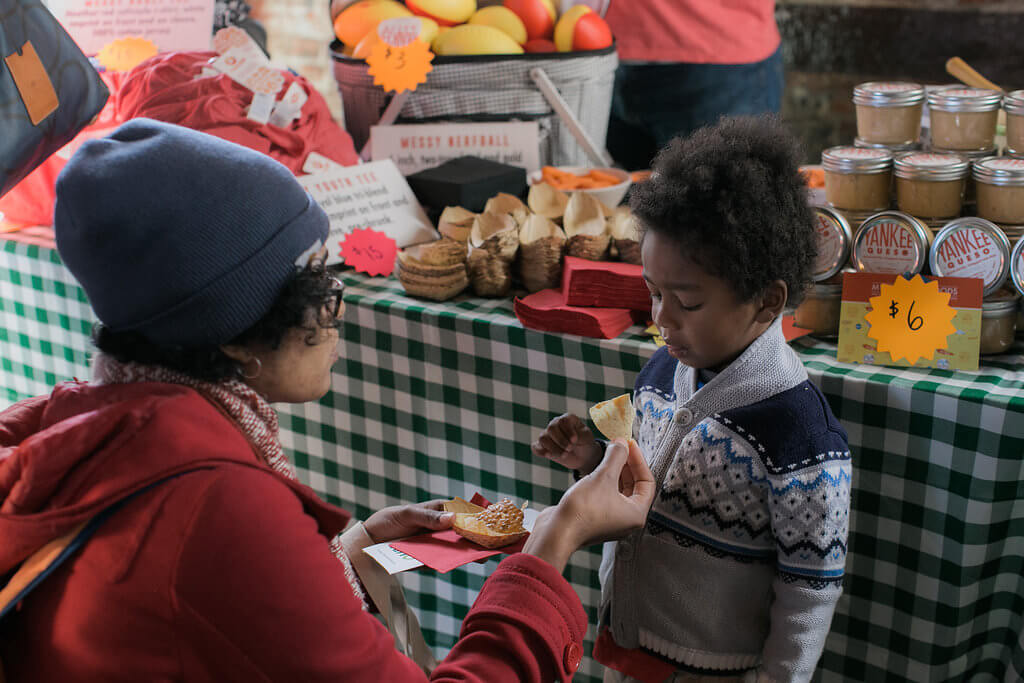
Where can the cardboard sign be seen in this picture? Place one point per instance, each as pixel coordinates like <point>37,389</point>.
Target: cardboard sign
<point>414,147</point>
<point>171,24</point>
<point>856,345</point>
<point>373,195</point>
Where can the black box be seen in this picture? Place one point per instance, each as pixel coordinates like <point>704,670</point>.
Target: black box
<point>467,182</point>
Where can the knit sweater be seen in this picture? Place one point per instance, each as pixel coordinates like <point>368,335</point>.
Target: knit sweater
<point>741,561</point>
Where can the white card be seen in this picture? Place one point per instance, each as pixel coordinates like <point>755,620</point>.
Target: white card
<point>414,147</point>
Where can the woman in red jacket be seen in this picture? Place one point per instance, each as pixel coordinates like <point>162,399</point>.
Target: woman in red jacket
<point>203,262</point>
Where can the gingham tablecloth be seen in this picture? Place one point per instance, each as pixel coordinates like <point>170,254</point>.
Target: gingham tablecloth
<point>435,400</point>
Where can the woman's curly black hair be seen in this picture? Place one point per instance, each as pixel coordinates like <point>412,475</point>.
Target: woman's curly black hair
<point>300,304</point>
<point>732,196</point>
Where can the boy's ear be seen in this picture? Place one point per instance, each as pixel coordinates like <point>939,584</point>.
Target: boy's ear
<point>773,301</point>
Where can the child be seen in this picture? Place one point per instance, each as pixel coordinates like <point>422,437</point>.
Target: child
<point>738,569</point>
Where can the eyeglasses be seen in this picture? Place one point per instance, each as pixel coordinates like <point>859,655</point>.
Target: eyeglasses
<point>333,301</point>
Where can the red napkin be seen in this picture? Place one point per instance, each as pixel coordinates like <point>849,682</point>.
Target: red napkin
<point>605,284</point>
<point>443,551</point>
<point>546,310</point>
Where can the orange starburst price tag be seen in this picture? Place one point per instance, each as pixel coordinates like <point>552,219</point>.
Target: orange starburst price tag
<point>400,60</point>
<point>124,54</point>
<point>911,319</point>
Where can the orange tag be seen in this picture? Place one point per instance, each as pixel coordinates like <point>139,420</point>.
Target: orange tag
<point>911,319</point>
<point>33,83</point>
<point>369,251</point>
<point>124,54</point>
<point>400,60</point>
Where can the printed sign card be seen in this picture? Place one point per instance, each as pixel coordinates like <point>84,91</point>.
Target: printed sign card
<point>171,24</point>
<point>414,147</point>
<point>373,195</point>
<point>887,319</point>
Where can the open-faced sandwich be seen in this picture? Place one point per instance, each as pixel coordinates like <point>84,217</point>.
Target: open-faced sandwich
<point>614,417</point>
<point>498,525</point>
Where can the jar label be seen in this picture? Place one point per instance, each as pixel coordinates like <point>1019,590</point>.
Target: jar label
<point>830,239</point>
<point>1004,164</point>
<point>858,153</point>
<point>888,247</point>
<point>891,87</point>
<point>932,160</point>
<point>969,252</point>
<point>966,92</point>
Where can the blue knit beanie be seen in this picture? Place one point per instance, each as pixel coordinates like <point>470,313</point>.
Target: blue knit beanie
<point>178,235</point>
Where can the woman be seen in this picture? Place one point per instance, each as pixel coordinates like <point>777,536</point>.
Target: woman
<point>203,262</point>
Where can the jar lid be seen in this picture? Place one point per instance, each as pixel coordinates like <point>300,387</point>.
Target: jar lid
<point>1017,266</point>
<point>972,247</point>
<point>929,166</point>
<point>999,171</point>
<point>833,238</point>
<point>895,148</point>
<point>856,160</point>
<point>958,98</point>
<point>888,94</point>
<point>970,155</point>
<point>1013,102</point>
<point>1001,301</point>
<point>891,242</point>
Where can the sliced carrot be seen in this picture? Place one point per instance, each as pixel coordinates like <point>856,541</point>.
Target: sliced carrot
<point>602,177</point>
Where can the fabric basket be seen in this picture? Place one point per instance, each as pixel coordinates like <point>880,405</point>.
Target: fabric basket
<point>483,88</point>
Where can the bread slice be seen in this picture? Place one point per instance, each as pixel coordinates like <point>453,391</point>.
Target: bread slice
<point>614,417</point>
<point>499,525</point>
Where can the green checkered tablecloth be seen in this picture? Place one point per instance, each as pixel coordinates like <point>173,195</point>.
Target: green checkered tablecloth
<point>434,400</point>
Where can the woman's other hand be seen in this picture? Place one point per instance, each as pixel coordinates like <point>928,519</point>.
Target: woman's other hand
<point>400,521</point>
<point>606,504</point>
<point>568,441</point>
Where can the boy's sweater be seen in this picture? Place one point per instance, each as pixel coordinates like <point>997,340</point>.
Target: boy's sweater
<point>741,561</point>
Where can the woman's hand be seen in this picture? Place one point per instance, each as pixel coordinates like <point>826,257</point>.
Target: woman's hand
<point>400,521</point>
<point>568,441</point>
<point>606,504</point>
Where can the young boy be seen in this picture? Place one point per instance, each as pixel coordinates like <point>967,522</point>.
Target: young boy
<point>738,569</point>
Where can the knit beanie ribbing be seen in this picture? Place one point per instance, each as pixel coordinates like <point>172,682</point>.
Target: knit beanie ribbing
<point>179,235</point>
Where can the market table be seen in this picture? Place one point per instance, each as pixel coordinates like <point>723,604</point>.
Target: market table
<point>434,400</point>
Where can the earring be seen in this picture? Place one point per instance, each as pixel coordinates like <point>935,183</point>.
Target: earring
<point>259,369</point>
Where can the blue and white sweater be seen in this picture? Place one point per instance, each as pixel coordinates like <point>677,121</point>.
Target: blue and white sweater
<point>741,561</point>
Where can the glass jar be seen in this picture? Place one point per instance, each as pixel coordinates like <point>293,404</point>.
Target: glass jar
<point>999,182</point>
<point>1017,266</point>
<point>930,185</point>
<point>820,310</point>
<point>970,190</point>
<point>857,179</point>
<point>972,247</point>
<point>888,113</point>
<point>998,322</point>
<point>1013,104</point>
<point>963,118</point>
<point>833,240</point>
<point>892,149</point>
<point>891,242</point>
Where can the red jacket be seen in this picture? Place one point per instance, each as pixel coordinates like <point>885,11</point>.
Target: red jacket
<point>222,573</point>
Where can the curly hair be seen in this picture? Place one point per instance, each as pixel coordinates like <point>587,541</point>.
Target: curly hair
<point>299,305</point>
<point>732,196</point>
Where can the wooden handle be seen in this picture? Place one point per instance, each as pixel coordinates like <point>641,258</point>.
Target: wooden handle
<point>963,72</point>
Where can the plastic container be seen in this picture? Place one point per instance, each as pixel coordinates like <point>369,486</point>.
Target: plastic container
<point>963,119</point>
<point>834,241</point>
<point>891,242</point>
<point>999,183</point>
<point>888,113</point>
<point>857,178</point>
<point>972,247</point>
<point>1013,105</point>
<point>998,322</point>
<point>930,185</point>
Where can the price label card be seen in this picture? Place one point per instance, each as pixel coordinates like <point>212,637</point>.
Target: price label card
<point>400,60</point>
<point>369,251</point>
<point>892,320</point>
<point>373,195</point>
<point>416,146</point>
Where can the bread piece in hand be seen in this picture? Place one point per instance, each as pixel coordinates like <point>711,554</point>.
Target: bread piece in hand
<point>614,417</point>
<point>498,525</point>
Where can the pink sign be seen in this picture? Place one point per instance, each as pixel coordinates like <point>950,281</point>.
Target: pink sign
<point>171,24</point>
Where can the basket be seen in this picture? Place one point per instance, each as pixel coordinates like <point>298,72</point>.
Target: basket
<point>483,88</point>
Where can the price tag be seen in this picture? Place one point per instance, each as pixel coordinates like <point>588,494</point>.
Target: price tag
<point>911,319</point>
<point>369,251</point>
<point>400,60</point>
<point>250,70</point>
<point>124,54</point>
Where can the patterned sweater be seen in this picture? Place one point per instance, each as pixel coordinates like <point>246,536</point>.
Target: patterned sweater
<point>741,561</point>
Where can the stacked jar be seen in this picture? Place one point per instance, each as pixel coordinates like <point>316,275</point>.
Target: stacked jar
<point>999,183</point>
<point>963,119</point>
<point>1017,276</point>
<point>1013,105</point>
<point>858,181</point>
<point>930,186</point>
<point>820,310</point>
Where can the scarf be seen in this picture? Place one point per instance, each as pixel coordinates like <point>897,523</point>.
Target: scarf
<point>246,407</point>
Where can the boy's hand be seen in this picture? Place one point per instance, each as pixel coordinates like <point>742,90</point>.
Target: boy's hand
<point>568,441</point>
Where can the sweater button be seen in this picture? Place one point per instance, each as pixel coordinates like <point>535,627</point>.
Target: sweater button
<point>683,416</point>
<point>573,657</point>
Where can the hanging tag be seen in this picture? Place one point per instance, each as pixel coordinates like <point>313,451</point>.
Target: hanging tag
<point>33,83</point>
<point>250,71</point>
<point>318,163</point>
<point>261,106</point>
<point>290,106</point>
<point>231,37</point>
